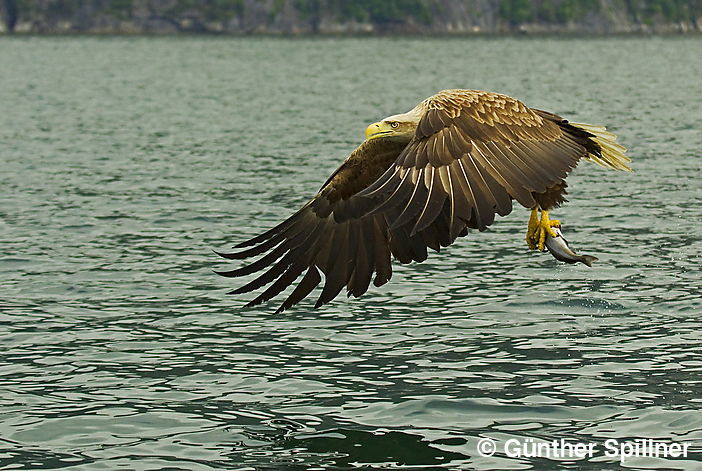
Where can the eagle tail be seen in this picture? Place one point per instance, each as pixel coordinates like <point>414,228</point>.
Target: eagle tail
<point>606,151</point>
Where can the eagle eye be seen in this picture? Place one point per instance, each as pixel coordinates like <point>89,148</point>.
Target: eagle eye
<point>394,124</point>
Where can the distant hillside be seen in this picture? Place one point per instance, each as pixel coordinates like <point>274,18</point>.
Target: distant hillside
<point>351,16</point>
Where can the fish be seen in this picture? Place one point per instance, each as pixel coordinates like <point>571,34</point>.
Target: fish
<point>559,248</point>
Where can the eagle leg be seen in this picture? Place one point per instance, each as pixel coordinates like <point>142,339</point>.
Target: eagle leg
<point>532,229</point>
<point>539,228</point>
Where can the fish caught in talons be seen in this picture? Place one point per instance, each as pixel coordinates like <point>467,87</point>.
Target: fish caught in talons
<point>559,248</point>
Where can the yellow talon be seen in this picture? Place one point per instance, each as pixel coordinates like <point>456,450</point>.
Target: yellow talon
<point>539,229</point>
<point>545,225</point>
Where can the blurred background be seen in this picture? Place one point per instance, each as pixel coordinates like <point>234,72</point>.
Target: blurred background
<point>357,16</point>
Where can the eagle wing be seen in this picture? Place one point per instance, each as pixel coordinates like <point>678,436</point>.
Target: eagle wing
<point>476,151</point>
<point>335,233</point>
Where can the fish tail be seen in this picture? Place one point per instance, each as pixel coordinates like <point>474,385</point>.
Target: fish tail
<point>604,149</point>
<point>588,259</point>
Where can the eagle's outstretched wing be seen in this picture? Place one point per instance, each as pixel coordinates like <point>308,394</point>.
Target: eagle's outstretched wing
<point>335,234</point>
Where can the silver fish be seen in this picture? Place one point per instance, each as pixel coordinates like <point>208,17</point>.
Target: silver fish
<point>558,246</point>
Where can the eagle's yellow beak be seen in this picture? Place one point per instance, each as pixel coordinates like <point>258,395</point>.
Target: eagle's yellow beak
<point>377,129</point>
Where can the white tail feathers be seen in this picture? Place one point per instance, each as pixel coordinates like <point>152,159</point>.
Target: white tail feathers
<point>612,152</point>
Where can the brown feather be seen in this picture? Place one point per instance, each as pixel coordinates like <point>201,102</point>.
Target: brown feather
<point>305,287</point>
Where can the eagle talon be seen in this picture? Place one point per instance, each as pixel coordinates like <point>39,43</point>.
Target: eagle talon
<point>539,229</point>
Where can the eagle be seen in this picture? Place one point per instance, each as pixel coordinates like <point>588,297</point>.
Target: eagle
<point>419,181</point>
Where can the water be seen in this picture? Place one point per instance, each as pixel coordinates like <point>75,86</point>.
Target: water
<point>126,160</point>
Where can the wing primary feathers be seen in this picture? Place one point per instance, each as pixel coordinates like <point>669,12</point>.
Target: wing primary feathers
<point>528,169</point>
<point>292,271</point>
<point>257,250</point>
<point>267,277</point>
<point>403,246</point>
<point>336,275</point>
<point>352,248</point>
<point>506,174</point>
<point>418,249</point>
<point>361,276</point>
<point>548,152</point>
<point>448,186</point>
<point>396,195</point>
<point>271,232</point>
<point>503,203</point>
<point>279,267</point>
<point>400,243</point>
<point>431,238</point>
<point>289,233</point>
<point>417,155</point>
<point>443,229</point>
<point>288,277</point>
<point>455,199</point>
<point>230,256</point>
<point>305,287</point>
<point>440,154</point>
<point>259,264</point>
<point>482,209</point>
<point>567,146</point>
<point>462,205</point>
<point>324,258</point>
<point>381,252</point>
<point>466,188</point>
<point>413,205</point>
<point>378,187</point>
<point>537,162</point>
<point>434,203</point>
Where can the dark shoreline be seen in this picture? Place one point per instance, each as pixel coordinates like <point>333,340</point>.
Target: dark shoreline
<point>307,35</point>
<point>358,18</point>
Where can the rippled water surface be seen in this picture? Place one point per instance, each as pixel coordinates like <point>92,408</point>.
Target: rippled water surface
<point>126,160</point>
